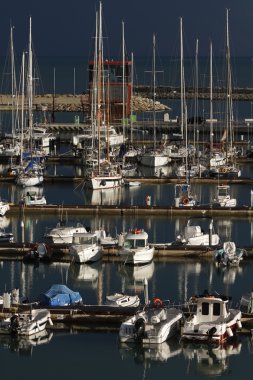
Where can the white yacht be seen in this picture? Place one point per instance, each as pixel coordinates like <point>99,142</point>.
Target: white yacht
<point>229,254</point>
<point>122,300</point>
<point>85,248</point>
<point>153,325</point>
<point>107,176</point>
<point>223,198</point>
<point>64,234</point>
<point>213,320</point>
<point>136,249</point>
<point>26,323</point>
<point>195,234</point>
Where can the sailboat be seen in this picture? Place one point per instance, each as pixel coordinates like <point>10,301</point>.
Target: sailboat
<point>225,167</point>
<point>104,175</point>
<point>156,156</point>
<point>31,174</point>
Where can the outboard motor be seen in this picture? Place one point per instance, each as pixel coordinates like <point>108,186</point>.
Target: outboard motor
<point>211,332</point>
<point>139,328</point>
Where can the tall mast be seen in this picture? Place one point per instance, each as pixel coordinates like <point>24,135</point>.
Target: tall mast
<point>154,89</point>
<point>13,84</point>
<point>182,76</point>
<point>211,97</point>
<point>30,84</point>
<point>123,79</point>
<point>131,103</point>
<point>99,80</point>
<point>196,111</point>
<point>22,105</point>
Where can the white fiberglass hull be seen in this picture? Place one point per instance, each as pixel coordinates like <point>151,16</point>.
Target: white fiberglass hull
<point>63,234</point>
<point>103,182</point>
<point>204,240</point>
<point>137,256</point>
<point>154,160</point>
<point>201,331</point>
<point>26,181</point>
<point>83,254</point>
<point>4,207</point>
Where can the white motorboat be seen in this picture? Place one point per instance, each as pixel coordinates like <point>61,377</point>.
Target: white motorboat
<point>194,234</point>
<point>229,254</point>
<point>64,234</point>
<point>4,207</point>
<point>122,300</point>
<point>153,325</point>
<point>26,323</point>
<point>136,249</point>
<point>213,320</point>
<point>223,198</point>
<point>34,199</point>
<point>183,196</point>
<point>85,248</point>
<point>154,158</point>
<point>106,176</point>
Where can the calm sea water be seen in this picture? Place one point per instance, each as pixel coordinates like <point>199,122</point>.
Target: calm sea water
<point>98,354</point>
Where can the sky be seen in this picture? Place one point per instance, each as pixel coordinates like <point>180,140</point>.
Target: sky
<point>66,28</point>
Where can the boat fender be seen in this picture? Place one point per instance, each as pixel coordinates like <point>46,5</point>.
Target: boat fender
<point>185,201</point>
<point>239,324</point>
<point>211,332</point>
<point>157,302</point>
<point>229,332</point>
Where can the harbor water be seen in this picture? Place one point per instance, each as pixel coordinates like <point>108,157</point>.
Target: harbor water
<point>70,352</point>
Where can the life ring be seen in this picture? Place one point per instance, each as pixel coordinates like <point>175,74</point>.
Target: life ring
<point>136,231</point>
<point>157,302</point>
<point>185,201</point>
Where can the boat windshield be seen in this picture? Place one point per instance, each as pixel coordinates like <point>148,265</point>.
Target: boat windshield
<point>135,243</point>
<point>84,240</point>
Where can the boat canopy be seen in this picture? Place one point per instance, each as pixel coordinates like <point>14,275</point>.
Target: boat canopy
<point>60,295</point>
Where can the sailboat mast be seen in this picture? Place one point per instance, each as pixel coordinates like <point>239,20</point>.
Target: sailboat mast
<point>22,106</point>
<point>196,111</point>
<point>131,103</point>
<point>154,88</point>
<point>211,97</point>
<point>229,111</point>
<point>99,80</point>
<point>13,84</point>
<point>182,76</point>
<point>30,85</point>
<point>123,79</point>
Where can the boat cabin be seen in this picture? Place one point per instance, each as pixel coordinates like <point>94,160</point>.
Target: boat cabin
<point>136,238</point>
<point>223,191</point>
<point>85,239</point>
<point>211,309</point>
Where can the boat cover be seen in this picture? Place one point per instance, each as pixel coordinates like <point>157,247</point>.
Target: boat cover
<point>60,295</point>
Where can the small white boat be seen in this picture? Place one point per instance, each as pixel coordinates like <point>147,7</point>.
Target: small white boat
<point>26,323</point>
<point>4,207</point>
<point>194,233</point>
<point>153,325</point>
<point>136,249</point>
<point>213,320</point>
<point>122,300</point>
<point>34,199</point>
<point>223,198</point>
<point>85,248</point>
<point>229,255</point>
<point>63,234</point>
<point>183,196</point>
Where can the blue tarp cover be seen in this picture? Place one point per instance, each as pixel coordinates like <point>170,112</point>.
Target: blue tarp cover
<point>60,295</point>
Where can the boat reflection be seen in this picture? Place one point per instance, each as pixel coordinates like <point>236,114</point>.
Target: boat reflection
<point>210,360</point>
<point>229,274</point>
<point>151,353</point>
<point>24,345</point>
<point>103,197</point>
<point>87,274</point>
<point>134,276</point>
